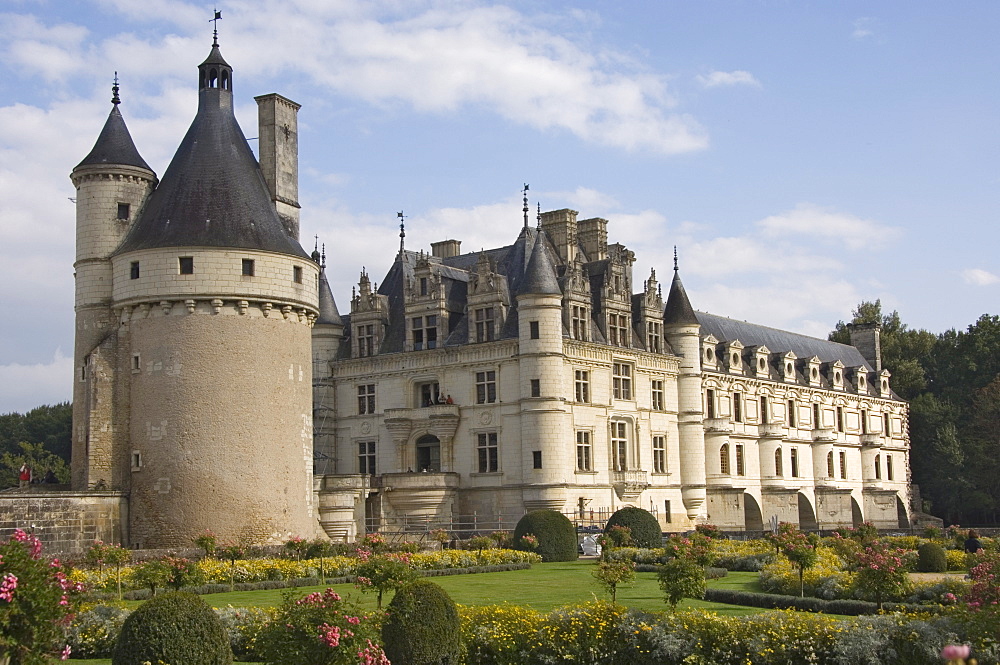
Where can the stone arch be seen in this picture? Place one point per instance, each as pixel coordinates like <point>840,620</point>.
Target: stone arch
<point>857,517</point>
<point>901,512</point>
<point>752,518</point>
<point>807,516</point>
<point>428,453</point>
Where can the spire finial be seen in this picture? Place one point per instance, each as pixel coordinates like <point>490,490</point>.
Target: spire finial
<point>675,258</point>
<point>525,193</point>
<point>115,99</point>
<point>538,215</point>
<point>215,29</point>
<point>316,244</point>
<point>322,258</point>
<point>402,231</point>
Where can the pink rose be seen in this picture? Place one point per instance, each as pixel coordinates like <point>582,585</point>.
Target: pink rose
<point>955,652</point>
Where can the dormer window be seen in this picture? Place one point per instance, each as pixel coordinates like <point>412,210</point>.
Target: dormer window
<point>423,286</point>
<point>709,357</point>
<point>787,365</point>
<point>484,324</point>
<point>734,356</point>
<point>580,322</point>
<point>424,332</point>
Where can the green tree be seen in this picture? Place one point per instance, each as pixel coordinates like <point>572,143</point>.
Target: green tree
<point>35,456</point>
<point>612,574</point>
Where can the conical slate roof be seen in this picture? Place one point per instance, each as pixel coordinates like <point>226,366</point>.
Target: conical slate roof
<point>213,193</point>
<point>678,309</point>
<point>114,145</point>
<point>328,313</point>
<point>540,275</point>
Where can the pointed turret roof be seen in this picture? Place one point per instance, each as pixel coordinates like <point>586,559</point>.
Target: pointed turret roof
<point>328,313</point>
<point>213,193</point>
<point>540,275</point>
<point>114,145</point>
<point>678,309</point>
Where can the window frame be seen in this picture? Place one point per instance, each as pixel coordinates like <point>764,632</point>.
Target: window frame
<point>485,321</point>
<point>621,380</point>
<point>581,385</point>
<point>619,445</point>
<point>486,386</point>
<point>659,453</point>
<point>658,395</point>
<point>584,451</point>
<point>366,458</point>
<point>366,399</point>
<point>488,452</point>
<point>424,331</point>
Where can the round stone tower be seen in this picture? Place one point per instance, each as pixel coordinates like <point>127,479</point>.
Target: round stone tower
<point>215,301</point>
<point>112,182</point>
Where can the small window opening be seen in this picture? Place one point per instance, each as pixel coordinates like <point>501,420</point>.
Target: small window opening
<point>536,459</point>
<point>297,274</point>
<point>136,460</point>
<point>136,362</point>
<point>123,210</point>
<point>248,267</point>
<point>186,264</point>
<point>536,388</point>
<point>533,329</point>
<point>134,270</point>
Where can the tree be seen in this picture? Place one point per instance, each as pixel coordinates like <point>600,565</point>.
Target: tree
<point>611,574</point>
<point>35,456</point>
<point>797,547</point>
<point>681,578</point>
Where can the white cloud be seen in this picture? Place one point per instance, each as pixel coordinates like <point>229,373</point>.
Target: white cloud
<point>737,77</point>
<point>979,277</point>
<point>808,220</point>
<point>586,199</point>
<point>863,28</point>
<point>23,387</point>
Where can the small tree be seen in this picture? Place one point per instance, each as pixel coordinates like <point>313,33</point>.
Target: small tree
<point>501,538</point>
<point>117,556</point>
<point>297,547</point>
<point>206,541</point>
<point>611,574</point>
<point>480,543</point>
<point>440,536</point>
<point>881,574</point>
<point>232,553</point>
<point>797,547</point>
<point>154,574</point>
<point>183,572</point>
<point>383,573</point>
<point>681,578</point>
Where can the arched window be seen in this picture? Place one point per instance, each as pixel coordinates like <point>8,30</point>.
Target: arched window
<point>878,467</point>
<point>225,80</point>
<point>829,465</point>
<point>724,459</point>
<point>778,470</point>
<point>213,78</point>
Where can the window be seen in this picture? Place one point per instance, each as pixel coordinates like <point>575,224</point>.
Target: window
<point>829,465</point>
<point>486,387</point>
<point>423,286</point>
<point>864,421</point>
<point>659,403</point>
<point>666,510</point>
<point>185,265</point>
<point>779,471</point>
<point>886,430</point>
<point>489,461</point>
<point>724,459</point>
<point>536,459</point>
<point>791,414</point>
<point>366,340</point>
<point>123,210</point>
<point>710,402</point>
<point>654,335</point>
<point>764,416</point>
<point>366,457</point>
<point>581,385</point>
<point>134,270</point>
<point>136,362</point>
<point>424,332</point>
<point>366,399</point>
<point>793,457</point>
<point>621,379</point>
<point>888,467</point>
<point>248,267</point>
<point>659,454</point>
<point>619,445</point>
<point>878,467</point>
<point>533,329</point>
<point>484,324</point>
<point>741,465</point>
<point>580,323</point>
<point>843,465</point>
<point>136,460</point>
<point>738,407</point>
<point>584,456</point>
<point>840,419</point>
<point>297,274</point>
<point>536,388</point>
<point>430,393</point>
<point>618,330</point>
<point>817,421</point>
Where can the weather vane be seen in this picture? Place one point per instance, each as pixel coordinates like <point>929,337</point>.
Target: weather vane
<point>215,28</point>
<point>402,230</point>
<point>115,99</point>
<point>525,193</point>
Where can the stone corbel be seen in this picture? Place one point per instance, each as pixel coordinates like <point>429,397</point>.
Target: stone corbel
<point>243,305</point>
<point>286,311</point>
<point>265,307</point>
<point>190,304</point>
<point>166,306</point>
<point>216,305</point>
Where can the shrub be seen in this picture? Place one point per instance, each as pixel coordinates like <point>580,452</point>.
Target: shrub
<point>931,558</point>
<point>881,575</point>
<point>681,578</point>
<point>422,627</point>
<point>499,634</point>
<point>958,559</point>
<point>555,533</point>
<point>645,529</point>
<point>384,573</point>
<point>612,573</point>
<point>153,574</point>
<point>177,628</point>
<point>94,630</point>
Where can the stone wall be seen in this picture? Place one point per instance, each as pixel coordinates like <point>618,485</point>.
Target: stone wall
<point>66,522</point>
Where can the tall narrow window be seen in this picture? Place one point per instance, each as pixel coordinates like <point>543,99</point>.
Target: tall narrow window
<point>888,467</point>
<point>621,380</point>
<point>724,459</point>
<point>424,332</point>
<point>840,419</point>
<point>659,454</point>
<point>580,323</point>
<point>536,459</point>
<point>618,330</point>
<point>793,458</point>
<point>741,465</point>
<point>878,467</point>
<point>791,417</point>
<point>829,465</point>
<point>430,393</point>
<point>779,470</point>
<point>366,340</point>
<point>366,399</point>
<point>134,270</point>
<point>710,402</point>
<point>738,407</point>
<point>536,387</point>
<point>484,324</point>
<point>185,265</point>
<point>659,402</point>
<point>864,421</point>
<point>248,267</point>
<point>584,452</point>
<point>486,387</point>
<point>366,457</point>
<point>619,445</point>
<point>423,286</point>
<point>489,460</point>
<point>297,274</point>
<point>654,336</point>
<point>581,385</point>
<point>817,420</point>
<point>764,416</point>
<point>533,331</point>
<point>843,465</point>
<point>886,430</point>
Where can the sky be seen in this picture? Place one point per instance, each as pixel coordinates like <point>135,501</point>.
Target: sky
<point>802,156</point>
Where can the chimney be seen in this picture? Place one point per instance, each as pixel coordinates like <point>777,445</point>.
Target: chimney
<point>560,226</point>
<point>278,145</point>
<point>446,248</point>
<point>865,337</point>
<point>594,238</point>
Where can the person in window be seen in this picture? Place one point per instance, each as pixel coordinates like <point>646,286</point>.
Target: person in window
<point>972,544</point>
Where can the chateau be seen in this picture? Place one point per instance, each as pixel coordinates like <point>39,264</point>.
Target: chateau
<point>218,386</point>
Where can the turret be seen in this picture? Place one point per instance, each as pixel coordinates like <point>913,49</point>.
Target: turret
<point>327,335</point>
<point>112,183</point>
<point>681,328</point>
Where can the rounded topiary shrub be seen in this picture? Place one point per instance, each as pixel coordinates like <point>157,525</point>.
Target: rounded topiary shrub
<point>177,628</point>
<point>644,526</point>
<point>422,626</point>
<point>555,533</point>
<point>931,558</point>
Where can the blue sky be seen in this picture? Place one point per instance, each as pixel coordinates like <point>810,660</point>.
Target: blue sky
<point>802,155</point>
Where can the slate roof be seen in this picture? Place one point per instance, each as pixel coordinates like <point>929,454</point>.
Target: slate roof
<point>540,275</point>
<point>328,313</point>
<point>114,145</point>
<point>678,309</point>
